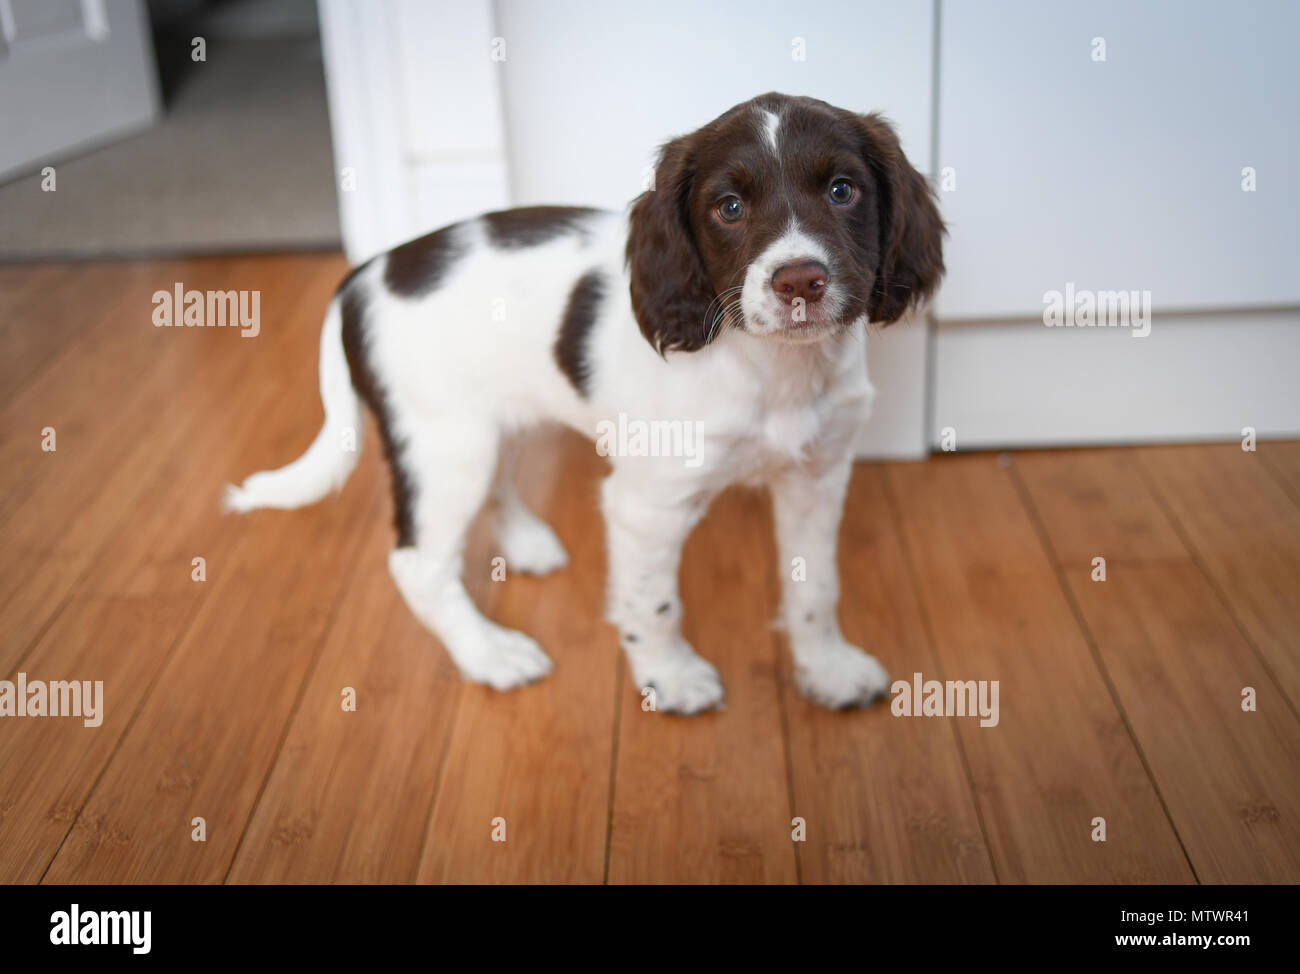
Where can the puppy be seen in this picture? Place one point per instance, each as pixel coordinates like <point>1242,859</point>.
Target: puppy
<point>730,302</point>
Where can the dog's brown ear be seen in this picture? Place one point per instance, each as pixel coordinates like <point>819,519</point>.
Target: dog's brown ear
<point>911,229</point>
<point>671,293</point>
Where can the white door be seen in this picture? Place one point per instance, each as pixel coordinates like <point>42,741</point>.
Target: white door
<point>73,74</point>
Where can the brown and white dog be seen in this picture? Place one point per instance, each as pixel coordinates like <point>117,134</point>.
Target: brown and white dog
<point>730,304</point>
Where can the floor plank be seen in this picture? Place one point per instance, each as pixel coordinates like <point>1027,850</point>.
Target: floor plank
<point>1282,457</point>
<point>705,799</point>
<point>23,283</point>
<point>1230,778</point>
<point>128,615</point>
<point>348,799</point>
<point>1060,755</point>
<point>886,799</point>
<point>222,699</point>
<point>537,758</point>
<point>69,503</point>
<point>114,359</point>
<point>247,653</point>
<point>54,295</point>
<point>1244,529</point>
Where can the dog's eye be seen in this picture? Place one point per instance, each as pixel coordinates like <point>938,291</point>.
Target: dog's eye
<point>842,192</point>
<point>731,209</point>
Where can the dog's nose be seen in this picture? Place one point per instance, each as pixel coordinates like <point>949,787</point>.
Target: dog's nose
<point>805,279</point>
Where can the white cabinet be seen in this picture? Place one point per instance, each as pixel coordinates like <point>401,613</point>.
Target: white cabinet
<point>1098,146</point>
<point>1124,172</point>
<point>1107,146</point>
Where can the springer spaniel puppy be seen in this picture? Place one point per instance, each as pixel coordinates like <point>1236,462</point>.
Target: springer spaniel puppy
<point>733,296</point>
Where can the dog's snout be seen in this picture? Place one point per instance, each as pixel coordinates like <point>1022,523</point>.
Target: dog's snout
<point>804,279</point>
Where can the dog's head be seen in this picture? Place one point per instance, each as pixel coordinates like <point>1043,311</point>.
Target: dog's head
<point>786,217</point>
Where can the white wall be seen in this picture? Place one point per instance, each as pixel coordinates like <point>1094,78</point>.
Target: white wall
<point>605,83</point>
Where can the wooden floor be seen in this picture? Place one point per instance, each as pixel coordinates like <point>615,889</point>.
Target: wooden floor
<point>1119,700</point>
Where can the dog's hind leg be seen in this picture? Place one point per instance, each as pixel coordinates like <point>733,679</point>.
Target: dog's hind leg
<point>527,542</point>
<point>452,465</point>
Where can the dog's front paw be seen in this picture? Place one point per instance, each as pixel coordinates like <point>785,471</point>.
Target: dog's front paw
<point>841,676</point>
<point>683,682</point>
<point>502,658</point>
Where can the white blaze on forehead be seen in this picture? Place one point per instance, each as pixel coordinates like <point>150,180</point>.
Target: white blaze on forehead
<point>771,121</point>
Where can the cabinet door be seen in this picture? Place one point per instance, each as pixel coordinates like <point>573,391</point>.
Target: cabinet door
<point>1106,143</point>
<point>1111,146</point>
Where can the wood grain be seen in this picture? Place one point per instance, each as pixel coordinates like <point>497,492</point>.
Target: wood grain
<point>1244,529</point>
<point>348,798</point>
<point>41,293</point>
<point>222,698</point>
<point>1060,755</point>
<point>537,759</point>
<point>1282,457</point>
<point>1231,778</point>
<point>69,503</point>
<point>706,799</point>
<point>131,609</point>
<point>212,720</point>
<point>887,799</point>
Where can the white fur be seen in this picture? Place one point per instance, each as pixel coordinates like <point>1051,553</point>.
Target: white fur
<point>771,122</point>
<point>459,381</point>
<point>328,461</point>
<point>765,313</point>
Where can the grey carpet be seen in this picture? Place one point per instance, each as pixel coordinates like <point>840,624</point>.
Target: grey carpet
<point>240,161</point>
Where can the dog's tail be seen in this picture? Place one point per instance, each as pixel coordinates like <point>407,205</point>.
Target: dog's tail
<point>332,456</point>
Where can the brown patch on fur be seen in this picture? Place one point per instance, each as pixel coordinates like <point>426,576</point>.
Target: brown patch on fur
<point>366,382</point>
<point>579,315</point>
<point>418,267</point>
<point>529,226</point>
